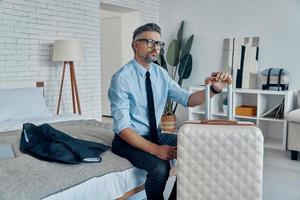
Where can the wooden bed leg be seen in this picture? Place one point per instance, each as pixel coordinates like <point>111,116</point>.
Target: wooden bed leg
<point>132,192</point>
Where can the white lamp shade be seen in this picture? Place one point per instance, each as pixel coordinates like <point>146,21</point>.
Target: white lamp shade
<point>67,50</point>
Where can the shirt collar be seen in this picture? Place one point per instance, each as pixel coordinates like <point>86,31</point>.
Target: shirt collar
<point>142,71</point>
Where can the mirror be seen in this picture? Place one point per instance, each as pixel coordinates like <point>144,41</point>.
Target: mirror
<point>241,58</point>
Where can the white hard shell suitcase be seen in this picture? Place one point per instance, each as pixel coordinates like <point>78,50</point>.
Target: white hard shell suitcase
<point>219,159</point>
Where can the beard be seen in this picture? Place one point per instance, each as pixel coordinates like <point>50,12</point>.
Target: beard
<point>149,57</point>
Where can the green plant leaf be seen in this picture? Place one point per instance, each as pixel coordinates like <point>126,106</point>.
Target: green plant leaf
<point>178,56</point>
<point>187,47</point>
<point>173,53</point>
<point>175,109</point>
<point>158,60</point>
<point>179,34</point>
<point>161,60</point>
<point>168,107</point>
<point>225,101</point>
<point>185,68</point>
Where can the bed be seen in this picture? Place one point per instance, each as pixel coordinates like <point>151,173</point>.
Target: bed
<point>25,177</point>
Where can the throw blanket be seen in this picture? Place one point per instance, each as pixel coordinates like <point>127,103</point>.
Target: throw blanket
<point>26,177</point>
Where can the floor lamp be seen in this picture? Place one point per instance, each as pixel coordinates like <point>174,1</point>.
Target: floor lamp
<point>68,51</point>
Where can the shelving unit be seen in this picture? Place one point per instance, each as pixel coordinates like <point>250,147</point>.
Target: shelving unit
<point>274,130</point>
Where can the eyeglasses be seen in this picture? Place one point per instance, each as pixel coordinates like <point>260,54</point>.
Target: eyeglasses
<point>151,43</point>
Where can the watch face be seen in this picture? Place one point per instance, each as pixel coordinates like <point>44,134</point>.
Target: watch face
<point>214,90</point>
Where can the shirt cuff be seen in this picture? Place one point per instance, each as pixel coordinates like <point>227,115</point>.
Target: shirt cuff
<point>120,128</point>
<point>186,97</point>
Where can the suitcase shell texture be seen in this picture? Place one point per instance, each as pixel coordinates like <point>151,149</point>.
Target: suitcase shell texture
<point>219,162</point>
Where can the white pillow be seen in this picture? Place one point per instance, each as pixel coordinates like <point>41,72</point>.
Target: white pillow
<point>22,104</point>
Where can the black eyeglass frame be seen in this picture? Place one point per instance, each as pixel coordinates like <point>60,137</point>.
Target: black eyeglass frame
<point>152,43</point>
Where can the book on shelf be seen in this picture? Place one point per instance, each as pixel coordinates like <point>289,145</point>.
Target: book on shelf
<point>276,112</point>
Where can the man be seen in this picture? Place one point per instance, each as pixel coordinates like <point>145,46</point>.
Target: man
<point>138,94</point>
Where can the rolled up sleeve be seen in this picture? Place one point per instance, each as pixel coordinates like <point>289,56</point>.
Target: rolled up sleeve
<point>177,93</point>
<point>119,104</point>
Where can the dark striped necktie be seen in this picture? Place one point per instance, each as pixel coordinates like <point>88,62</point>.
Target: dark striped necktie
<point>151,109</point>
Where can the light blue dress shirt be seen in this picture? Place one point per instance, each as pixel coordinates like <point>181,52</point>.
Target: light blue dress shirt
<point>128,97</point>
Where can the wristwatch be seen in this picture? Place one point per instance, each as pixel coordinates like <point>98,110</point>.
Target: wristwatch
<point>214,90</point>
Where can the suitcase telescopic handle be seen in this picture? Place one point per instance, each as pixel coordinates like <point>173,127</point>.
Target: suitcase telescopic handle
<point>208,82</point>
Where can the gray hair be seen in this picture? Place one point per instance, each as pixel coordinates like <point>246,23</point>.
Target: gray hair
<point>146,27</point>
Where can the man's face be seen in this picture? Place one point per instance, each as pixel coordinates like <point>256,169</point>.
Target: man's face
<point>147,46</point>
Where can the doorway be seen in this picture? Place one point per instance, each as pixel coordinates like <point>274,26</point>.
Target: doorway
<point>116,27</point>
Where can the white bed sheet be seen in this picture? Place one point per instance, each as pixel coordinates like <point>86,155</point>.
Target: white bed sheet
<point>106,187</point>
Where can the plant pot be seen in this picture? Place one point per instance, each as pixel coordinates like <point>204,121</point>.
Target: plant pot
<point>168,123</point>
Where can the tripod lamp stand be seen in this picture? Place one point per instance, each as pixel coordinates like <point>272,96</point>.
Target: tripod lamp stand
<point>68,51</point>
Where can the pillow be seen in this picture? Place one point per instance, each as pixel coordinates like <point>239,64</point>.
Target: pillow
<point>22,104</point>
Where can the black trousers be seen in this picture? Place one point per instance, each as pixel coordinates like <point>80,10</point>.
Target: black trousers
<point>157,169</point>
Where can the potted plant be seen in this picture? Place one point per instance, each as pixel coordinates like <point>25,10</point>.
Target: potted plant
<point>179,65</point>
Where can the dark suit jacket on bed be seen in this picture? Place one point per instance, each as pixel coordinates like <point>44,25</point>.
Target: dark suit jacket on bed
<point>50,144</point>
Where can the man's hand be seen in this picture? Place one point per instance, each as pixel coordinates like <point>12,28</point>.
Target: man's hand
<point>166,152</point>
<point>220,78</point>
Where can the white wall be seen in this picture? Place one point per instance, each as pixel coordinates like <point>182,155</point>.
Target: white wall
<point>275,21</point>
<point>130,21</point>
<point>116,37</point>
<point>149,9</point>
<point>28,29</point>
<point>111,53</point>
